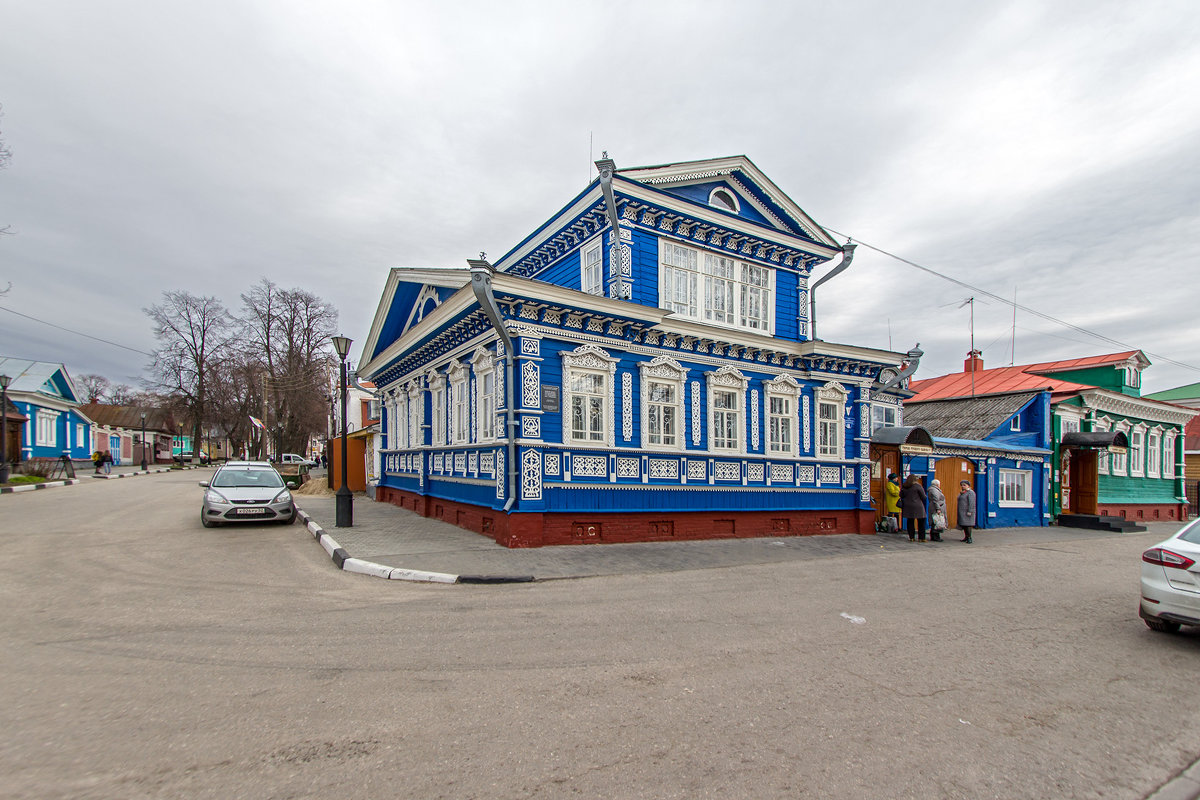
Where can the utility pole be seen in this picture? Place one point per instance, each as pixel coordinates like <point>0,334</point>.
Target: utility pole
<point>262,436</point>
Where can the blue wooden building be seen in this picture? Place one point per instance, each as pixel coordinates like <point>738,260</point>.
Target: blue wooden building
<point>1000,443</point>
<point>641,367</point>
<point>45,395</point>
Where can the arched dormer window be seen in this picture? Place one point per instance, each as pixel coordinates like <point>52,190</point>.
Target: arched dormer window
<point>724,199</point>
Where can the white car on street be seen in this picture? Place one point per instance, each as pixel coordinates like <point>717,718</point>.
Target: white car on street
<point>1171,581</point>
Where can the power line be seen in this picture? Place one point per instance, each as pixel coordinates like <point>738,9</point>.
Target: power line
<point>1013,303</point>
<point>77,333</point>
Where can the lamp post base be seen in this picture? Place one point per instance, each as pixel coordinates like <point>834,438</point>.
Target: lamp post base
<point>3,473</point>
<point>344,508</point>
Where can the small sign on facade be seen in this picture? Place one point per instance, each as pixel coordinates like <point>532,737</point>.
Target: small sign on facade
<point>549,398</point>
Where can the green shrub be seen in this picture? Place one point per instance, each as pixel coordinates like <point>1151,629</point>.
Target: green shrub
<point>17,480</point>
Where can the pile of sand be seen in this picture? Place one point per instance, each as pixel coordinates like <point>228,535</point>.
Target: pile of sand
<point>314,488</point>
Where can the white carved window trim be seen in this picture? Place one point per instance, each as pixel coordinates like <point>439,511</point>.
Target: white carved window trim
<point>831,395</point>
<point>696,272</point>
<point>591,267</point>
<point>589,359</point>
<point>458,403</point>
<point>437,406</point>
<point>1168,457</point>
<point>484,364</point>
<point>784,387</point>
<point>666,370</point>
<point>1119,463</point>
<point>1137,451</point>
<point>727,379</point>
<point>47,428</point>
<point>1154,453</point>
<point>1014,488</point>
<point>1102,461</point>
<point>416,414</point>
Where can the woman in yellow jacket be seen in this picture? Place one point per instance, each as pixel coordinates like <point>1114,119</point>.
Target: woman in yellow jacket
<point>891,498</point>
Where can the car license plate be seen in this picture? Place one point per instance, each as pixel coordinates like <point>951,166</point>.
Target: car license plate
<point>250,512</point>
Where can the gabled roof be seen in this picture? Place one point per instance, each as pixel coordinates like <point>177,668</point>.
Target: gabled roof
<point>1027,377</point>
<point>129,417</point>
<point>966,417</point>
<point>746,179</point>
<point>1188,392</point>
<point>406,292</point>
<point>39,377</point>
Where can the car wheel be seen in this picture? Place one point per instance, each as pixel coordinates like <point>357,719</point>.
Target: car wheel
<point>1161,625</point>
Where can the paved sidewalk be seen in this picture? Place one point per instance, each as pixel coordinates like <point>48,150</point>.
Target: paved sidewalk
<point>394,537</point>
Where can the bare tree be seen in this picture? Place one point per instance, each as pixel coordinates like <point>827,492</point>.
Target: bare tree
<point>95,387</point>
<point>288,333</point>
<point>122,394</point>
<point>194,337</point>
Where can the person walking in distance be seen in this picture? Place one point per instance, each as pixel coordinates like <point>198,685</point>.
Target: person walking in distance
<point>966,510</point>
<point>912,508</point>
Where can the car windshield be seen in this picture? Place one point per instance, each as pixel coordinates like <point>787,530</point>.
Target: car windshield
<point>247,479</point>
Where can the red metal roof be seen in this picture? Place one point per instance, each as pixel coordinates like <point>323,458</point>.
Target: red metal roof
<point>1011,379</point>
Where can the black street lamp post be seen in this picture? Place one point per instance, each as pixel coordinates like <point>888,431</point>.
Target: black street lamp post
<point>4,381</point>
<point>144,441</point>
<point>345,499</point>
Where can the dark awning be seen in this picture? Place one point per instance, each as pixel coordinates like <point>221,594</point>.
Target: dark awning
<point>1098,439</point>
<point>914,439</point>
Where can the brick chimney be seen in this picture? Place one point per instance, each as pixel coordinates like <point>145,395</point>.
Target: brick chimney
<point>974,362</point>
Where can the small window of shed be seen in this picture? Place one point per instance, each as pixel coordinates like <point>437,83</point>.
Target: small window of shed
<point>723,198</point>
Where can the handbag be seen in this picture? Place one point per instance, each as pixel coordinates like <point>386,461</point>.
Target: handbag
<point>939,521</point>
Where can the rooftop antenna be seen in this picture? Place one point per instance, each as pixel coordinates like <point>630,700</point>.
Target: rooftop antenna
<point>971,355</point>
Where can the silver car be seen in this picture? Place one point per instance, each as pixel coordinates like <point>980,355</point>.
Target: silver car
<point>1171,581</point>
<point>246,491</point>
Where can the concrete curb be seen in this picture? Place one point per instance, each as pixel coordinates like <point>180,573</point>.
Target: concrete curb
<point>344,561</point>
<point>32,487</point>
<point>137,474</point>
<point>1184,786</point>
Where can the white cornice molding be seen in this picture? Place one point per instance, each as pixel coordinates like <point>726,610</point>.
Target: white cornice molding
<point>1105,401</point>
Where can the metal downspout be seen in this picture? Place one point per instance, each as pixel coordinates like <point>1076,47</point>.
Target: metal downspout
<point>481,284</point>
<point>847,257</point>
<point>607,168</point>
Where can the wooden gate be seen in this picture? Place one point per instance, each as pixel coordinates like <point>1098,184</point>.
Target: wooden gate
<point>950,471</point>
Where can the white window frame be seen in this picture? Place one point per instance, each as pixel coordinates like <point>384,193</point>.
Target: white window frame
<point>690,279</point>
<point>416,414</point>
<point>662,370</point>
<point>712,201</point>
<point>1168,458</point>
<point>1103,458</point>
<point>727,379</point>
<point>591,273</point>
<point>436,382</point>
<point>1014,424</point>
<point>1020,482</point>
<point>1119,462</point>
<point>831,394</point>
<point>1154,453</point>
<point>1137,451</point>
<point>484,365</point>
<point>588,359</point>
<point>80,436</point>
<point>784,388</point>
<point>460,413</point>
<point>47,428</point>
<point>877,422</point>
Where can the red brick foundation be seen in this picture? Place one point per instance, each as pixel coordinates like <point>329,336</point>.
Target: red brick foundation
<point>535,529</point>
<point>1148,512</point>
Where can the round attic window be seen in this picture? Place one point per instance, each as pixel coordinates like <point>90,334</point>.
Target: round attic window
<point>723,199</point>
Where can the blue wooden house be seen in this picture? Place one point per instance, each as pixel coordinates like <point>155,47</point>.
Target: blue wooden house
<point>642,366</point>
<point>1000,443</point>
<point>45,395</point>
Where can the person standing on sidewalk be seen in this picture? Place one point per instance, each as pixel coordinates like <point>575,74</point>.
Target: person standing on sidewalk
<point>912,508</point>
<point>937,511</point>
<point>106,461</point>
<point>891,499</point>
<point>966,510</point>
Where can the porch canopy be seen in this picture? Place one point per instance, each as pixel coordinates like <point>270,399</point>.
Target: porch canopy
<point>1096,439</point>
<point>913,439</point>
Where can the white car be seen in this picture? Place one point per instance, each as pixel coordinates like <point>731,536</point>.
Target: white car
<point>294,458</point>
<point>1171,581</point>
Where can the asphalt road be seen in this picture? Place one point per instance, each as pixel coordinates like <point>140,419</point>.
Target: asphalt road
<point>144,656</point>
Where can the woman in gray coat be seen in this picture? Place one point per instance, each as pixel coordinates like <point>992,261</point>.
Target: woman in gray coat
<point>966,510</point>
<point>937,505</point>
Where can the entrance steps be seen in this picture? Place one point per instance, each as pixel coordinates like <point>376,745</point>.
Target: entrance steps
<point>1099,523</point>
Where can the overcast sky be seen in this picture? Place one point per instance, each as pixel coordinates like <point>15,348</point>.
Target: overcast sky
<point>1046,149</point>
